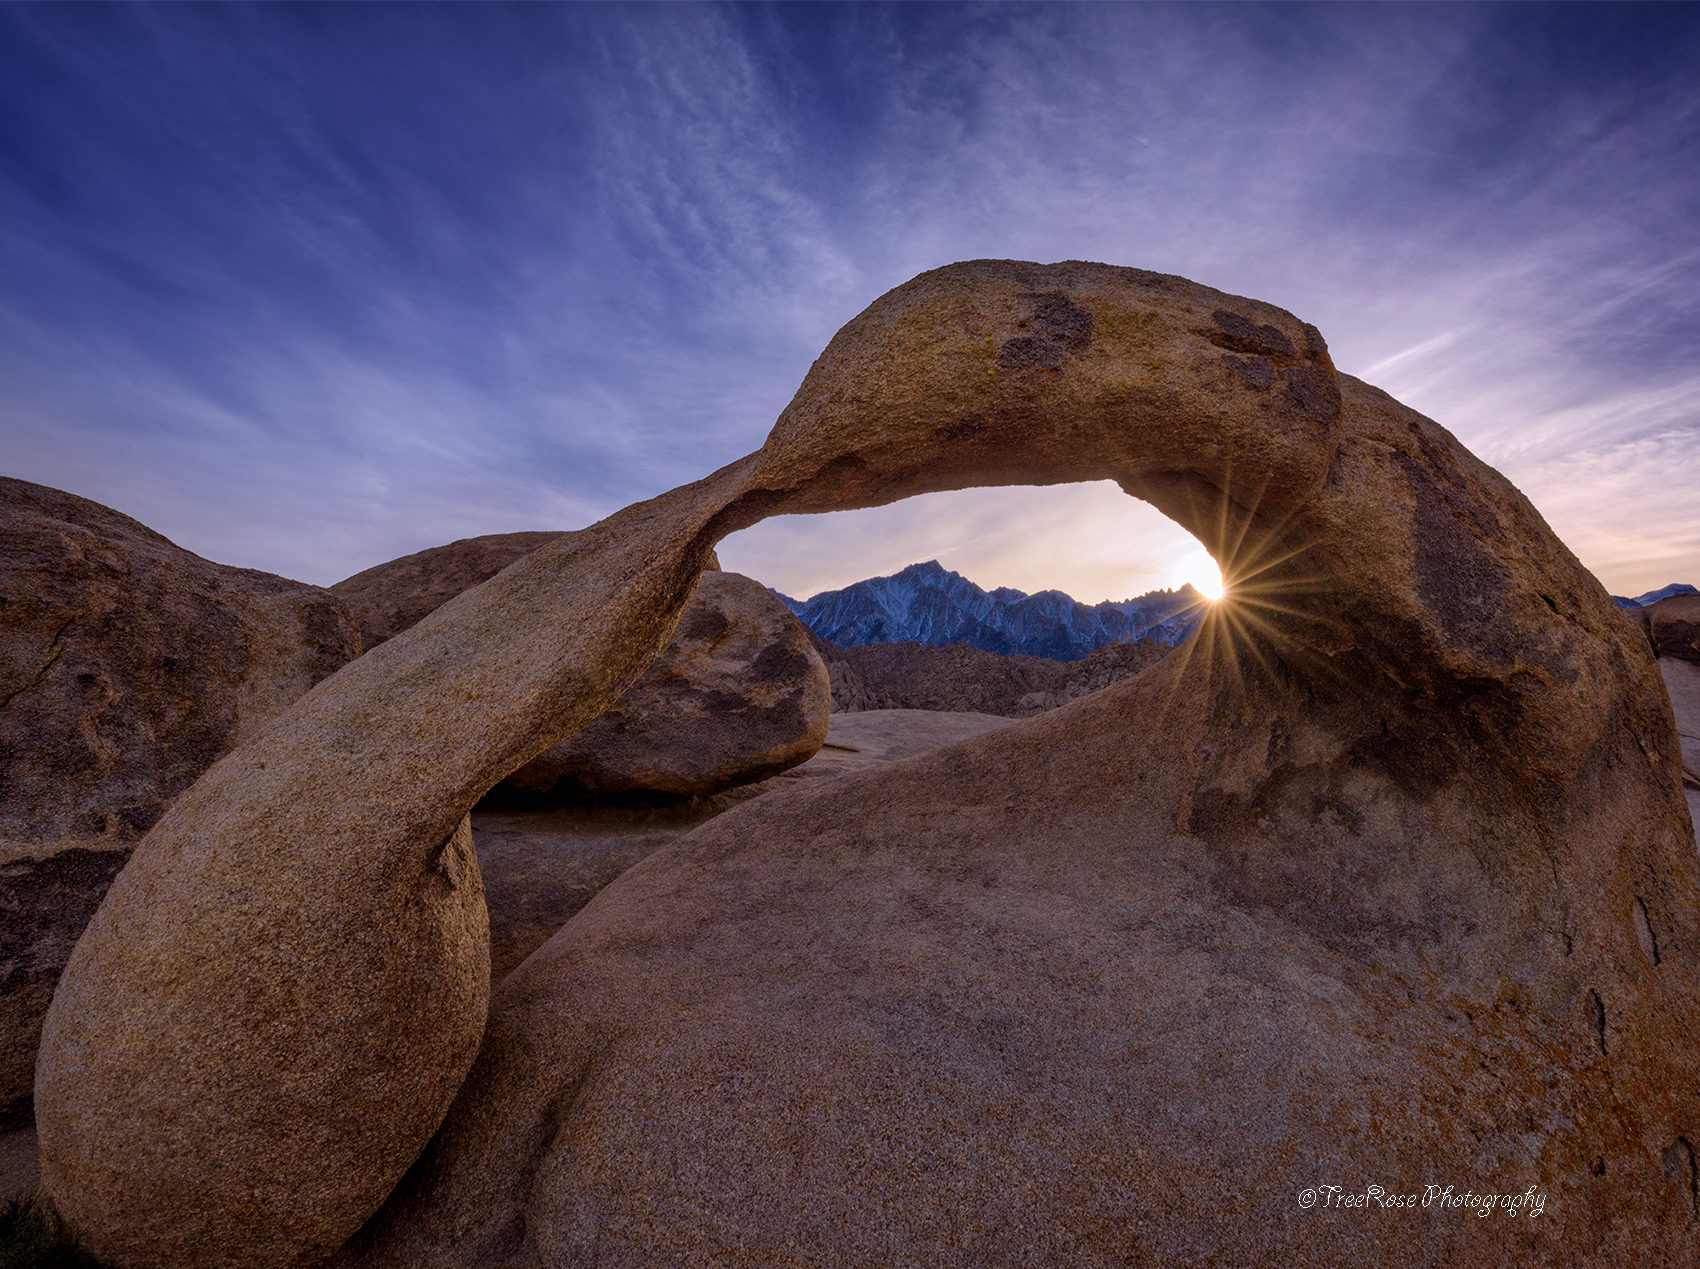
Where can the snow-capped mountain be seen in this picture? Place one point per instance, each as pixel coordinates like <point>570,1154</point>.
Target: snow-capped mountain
<point>928,603</point>
<point>1653,596</point>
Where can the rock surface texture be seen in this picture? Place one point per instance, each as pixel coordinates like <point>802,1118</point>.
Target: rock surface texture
<point>1682,680</point>
<point>48,892</point>
<point>1385,877</point>
<point>542,864</point>
<point>957,676</point>
<point>127,667</point>
<point>738,695</point>
<point>391,597</point>
<point>1674,626</point>
<point>130,665</point>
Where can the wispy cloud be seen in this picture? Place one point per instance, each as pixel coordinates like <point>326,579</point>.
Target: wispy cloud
<point>310,287</point>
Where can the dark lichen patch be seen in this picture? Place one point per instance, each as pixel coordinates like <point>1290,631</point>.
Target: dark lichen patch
<point>1062,326</point>
<point>779,663</point>
<point>1259,372</point>
<point>966,428</point>
<point>1311,393</point>
<point>703,625</point>
<point>1064,320</point>
<point>1030,352</point>
<point>1240,334</point>
<point>1460,583</point>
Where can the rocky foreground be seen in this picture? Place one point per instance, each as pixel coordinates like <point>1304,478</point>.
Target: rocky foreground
<point>1384,878</point>
<point>960,677</point>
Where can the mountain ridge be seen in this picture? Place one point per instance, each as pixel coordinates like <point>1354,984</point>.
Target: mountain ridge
<point>1653,596</point>
<point>929,604</point>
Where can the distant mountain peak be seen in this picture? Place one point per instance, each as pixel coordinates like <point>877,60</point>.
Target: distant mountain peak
<point>928,603</point>
<point>1653,596</point>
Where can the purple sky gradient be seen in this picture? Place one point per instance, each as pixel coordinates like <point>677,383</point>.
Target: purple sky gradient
<point>307,288</point>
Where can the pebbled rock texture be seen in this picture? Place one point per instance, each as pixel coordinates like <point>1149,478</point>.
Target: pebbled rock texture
<point>1386,873</point>
<point>127,667</point>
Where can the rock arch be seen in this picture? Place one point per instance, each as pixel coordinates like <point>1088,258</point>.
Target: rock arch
<point>1416,757</point>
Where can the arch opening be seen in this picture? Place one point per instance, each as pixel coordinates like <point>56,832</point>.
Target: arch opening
<point>1089,540</point>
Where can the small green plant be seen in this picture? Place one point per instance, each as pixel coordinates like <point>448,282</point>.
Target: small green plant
<point>33,1236</point>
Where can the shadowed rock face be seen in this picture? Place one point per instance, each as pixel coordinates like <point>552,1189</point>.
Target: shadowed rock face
<point>738,695</point>
<point>48,892</point>
<point>1385,874</point>
<point>1674,626</point>
<point>541,865</point>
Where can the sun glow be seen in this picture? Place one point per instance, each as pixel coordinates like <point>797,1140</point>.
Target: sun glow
<point>1200,570</point>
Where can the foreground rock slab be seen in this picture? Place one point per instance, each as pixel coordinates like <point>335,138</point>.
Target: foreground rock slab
<point>541,865</point>
<point>1301,904</point>
<point>127,667</point>
<point>875,737</point>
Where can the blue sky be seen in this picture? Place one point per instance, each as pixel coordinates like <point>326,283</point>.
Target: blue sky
<point>309,287</point>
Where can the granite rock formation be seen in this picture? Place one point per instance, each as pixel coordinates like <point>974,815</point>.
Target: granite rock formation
<point>48,892</point>
<point>542,864</point>
<point>127,667</point>
<point>738,695</point>
<point>1299,906</point>
<point>130,665</point>
<point>391,597</point>
<point>1674,627</point>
